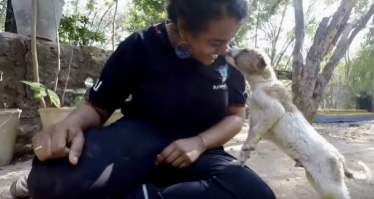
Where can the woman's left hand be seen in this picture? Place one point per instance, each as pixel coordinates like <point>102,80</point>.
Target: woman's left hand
<point>183,152</point>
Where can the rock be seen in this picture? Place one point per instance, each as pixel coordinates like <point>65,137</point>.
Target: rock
<point>16,65</point>
<point>353,125</point>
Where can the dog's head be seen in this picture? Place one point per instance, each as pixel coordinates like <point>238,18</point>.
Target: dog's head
<point>253,63</point>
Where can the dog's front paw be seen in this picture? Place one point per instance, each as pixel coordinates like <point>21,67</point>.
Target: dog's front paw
<point>245,154</point>
<point>238,163</point>
<point>298,164</point>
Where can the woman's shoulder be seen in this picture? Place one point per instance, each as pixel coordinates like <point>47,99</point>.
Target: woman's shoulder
<point>144,35</point>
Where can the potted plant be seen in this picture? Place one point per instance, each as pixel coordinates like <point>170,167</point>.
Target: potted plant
<point>9,126</point>
<point>55,112</point>
<point>45,11</point>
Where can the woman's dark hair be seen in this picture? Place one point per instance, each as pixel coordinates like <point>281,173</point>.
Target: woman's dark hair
<point>196,14</point>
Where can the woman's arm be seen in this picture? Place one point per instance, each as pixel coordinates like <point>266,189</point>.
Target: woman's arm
<point>87,115</point>
<point>231,125</point>
<point>183,152</point>
<point>113,86</point>
<point>225,130</point>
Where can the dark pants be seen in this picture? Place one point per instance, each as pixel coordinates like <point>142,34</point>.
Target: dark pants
<point>118,162</point>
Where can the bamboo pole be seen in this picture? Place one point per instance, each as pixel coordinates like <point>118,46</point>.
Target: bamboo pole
<point>34,49</point>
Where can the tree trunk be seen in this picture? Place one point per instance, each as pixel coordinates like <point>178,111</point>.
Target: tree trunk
<point>10,21</point>
<point>308,83</point>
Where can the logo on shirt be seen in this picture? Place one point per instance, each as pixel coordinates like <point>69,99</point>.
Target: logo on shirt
<point>223,71</point>
<point>97,85</point>
<point>219,87</point>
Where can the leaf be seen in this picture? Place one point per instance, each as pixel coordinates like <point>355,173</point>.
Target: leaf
<point>38,94</point>
<point>53,97</point>
<point>69,90</point>
<point>108,3</point>
<point>78,100</point>
<point>33,84</point>
<point>38,89</point>
<point>80,91</point>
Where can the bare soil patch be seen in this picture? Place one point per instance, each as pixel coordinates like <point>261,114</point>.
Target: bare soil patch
<point>354,140</point>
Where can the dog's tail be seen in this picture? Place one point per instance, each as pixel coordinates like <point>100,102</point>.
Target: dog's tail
<point>355,175</point>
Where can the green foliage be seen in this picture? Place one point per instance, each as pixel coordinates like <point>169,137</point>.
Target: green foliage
<point>91,5</point>
<point>143,13</point>
<point>40,91</point>
<point>362,72</point>
<point>74,29</point>
<point>146,12</point>
<point>360,7</point>
<point>355,75</point>
<point>150,8</point>
<point>78,95</point>
<point>259,12</point>
<point>361,69</point>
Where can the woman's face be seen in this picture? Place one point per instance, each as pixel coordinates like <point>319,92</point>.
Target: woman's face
<point>214,40</point>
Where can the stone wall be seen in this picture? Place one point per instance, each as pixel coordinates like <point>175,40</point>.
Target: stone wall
<point>15,65</point>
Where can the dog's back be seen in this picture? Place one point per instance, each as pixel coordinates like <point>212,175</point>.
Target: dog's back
<point>280,93</point>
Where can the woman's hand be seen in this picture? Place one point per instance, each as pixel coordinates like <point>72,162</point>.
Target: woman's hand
<point>59,140</point>
<point>183,152</point>
<point>66,137</point>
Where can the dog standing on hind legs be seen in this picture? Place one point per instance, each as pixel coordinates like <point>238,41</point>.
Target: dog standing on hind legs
<point>275,118</point>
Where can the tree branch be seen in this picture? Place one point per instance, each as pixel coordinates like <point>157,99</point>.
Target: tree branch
<point>345,41</point>
<point>277,33</point>
<point>339,33</point>
<point>282,52</point>
<point>326,33</point>
<point>276,5</point>
<point>113,23</point>
<point>298,60</point>
<point>341,14</point>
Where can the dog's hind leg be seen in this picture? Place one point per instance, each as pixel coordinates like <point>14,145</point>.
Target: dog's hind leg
<point>337,191</point>
<point>328,187</point>
<point>310,179</point>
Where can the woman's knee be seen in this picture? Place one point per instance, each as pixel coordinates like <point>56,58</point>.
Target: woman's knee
<point>47,182</point>
<point>245,183</point>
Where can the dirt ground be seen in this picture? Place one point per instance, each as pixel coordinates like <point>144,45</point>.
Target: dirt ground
<point>354,140</point>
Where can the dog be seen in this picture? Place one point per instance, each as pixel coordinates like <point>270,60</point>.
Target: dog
<point>275,118</point>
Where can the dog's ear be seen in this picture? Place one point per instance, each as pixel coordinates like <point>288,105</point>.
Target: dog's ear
<point>262,62</point>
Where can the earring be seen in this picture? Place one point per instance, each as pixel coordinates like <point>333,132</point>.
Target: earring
<point>183,52</point>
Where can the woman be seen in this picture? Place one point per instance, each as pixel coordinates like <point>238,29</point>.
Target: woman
<point>186,103</point>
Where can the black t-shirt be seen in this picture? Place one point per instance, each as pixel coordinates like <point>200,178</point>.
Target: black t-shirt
<point>173,93</point>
